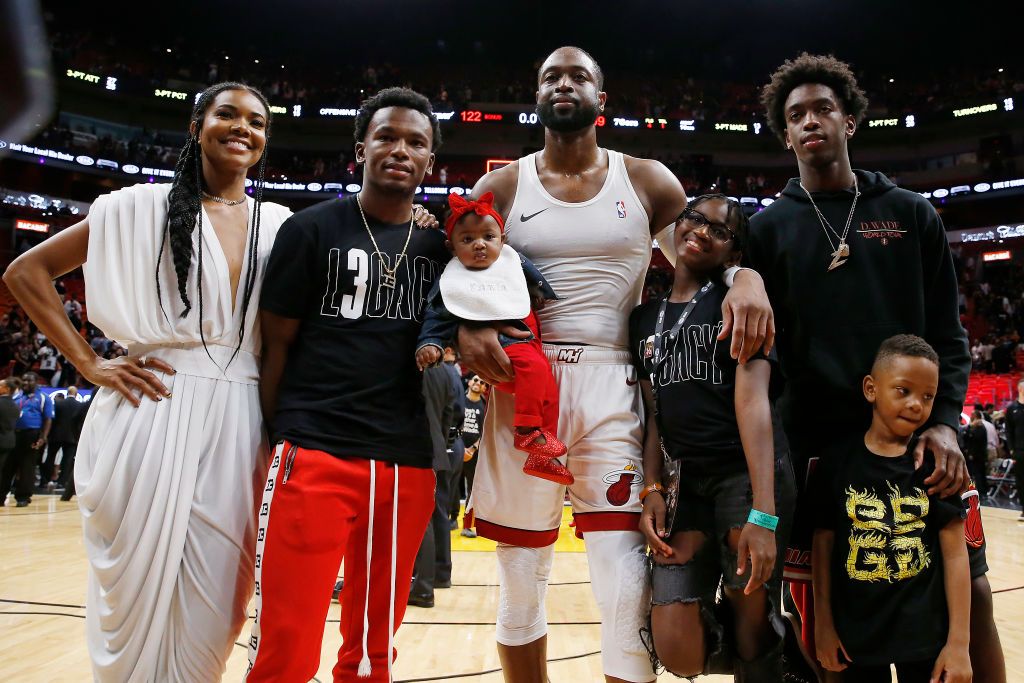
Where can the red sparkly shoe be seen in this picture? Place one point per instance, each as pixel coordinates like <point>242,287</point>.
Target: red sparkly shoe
<point>551,448</point>
<point>548,468</point>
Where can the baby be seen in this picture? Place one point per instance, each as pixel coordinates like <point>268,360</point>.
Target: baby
<point>488,281</point>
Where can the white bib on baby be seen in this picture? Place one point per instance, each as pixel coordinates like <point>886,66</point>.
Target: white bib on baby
<point>496,293</point>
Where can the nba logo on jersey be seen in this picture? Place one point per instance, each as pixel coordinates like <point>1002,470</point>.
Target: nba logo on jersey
<point>620,206</point>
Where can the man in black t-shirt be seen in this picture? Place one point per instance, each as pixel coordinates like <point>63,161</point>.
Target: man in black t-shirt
<point>1015,437</point>
<point>976,450</point>
<point>442,390</point>
<point>351,475</point>
<point>68,416</point>
<point>9,413</point>
<point>474,420</point>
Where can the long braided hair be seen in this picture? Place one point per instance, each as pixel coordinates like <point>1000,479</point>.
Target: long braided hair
<point>184,213</point>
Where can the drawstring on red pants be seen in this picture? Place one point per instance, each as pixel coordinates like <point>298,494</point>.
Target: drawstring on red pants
<point>365,667</point>
<point>364,663</point>
<point>394,572</point>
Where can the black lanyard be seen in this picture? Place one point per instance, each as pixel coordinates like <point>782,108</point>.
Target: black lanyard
<point>661,349</point>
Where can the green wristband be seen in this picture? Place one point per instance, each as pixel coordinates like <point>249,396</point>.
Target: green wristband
<point>763,519</point>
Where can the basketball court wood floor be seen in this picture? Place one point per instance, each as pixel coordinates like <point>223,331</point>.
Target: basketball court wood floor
<point>42,598</point>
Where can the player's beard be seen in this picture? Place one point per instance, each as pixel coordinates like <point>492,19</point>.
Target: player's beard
<point>582,116</point>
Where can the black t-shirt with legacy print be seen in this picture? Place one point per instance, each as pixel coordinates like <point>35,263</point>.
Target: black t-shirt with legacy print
<point>695,386</point>
<point>351,386</point>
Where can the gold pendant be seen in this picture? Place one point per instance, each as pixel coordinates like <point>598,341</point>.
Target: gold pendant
<point>839,256</point>
<point>387,279</point>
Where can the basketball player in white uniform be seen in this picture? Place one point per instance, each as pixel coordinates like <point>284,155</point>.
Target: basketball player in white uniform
<point>585,216</point>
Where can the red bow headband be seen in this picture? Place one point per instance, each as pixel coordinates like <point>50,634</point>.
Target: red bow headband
<point>461,206</point>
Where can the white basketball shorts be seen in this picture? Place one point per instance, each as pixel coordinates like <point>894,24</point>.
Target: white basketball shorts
<point>601,423</point>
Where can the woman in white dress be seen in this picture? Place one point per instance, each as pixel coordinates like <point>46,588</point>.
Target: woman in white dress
<point>173,451</point>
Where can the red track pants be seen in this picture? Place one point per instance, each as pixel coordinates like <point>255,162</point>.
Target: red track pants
<point>316,510</point>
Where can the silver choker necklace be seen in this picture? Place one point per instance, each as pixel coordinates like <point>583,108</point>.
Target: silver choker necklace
<point>221,200</point>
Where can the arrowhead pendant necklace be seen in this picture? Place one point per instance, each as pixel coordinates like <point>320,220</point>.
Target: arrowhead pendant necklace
<point>841,251</point>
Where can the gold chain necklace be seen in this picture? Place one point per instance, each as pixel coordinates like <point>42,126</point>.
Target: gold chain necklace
<point>842,250</point>
<point>387,275</point>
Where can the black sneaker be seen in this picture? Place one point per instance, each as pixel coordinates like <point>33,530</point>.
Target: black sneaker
<point>445,583</point>
<point>23,503</point>
<point>795,668</point>
<point>336,593</point>
<point>425,601</point>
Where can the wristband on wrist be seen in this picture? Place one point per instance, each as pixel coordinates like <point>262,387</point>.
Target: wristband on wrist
<point>763,519</point>
<point>729,275</point>
<point>649,489</point>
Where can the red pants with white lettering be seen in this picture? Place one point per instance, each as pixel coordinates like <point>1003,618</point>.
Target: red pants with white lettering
<point>536,394</point>
<point>316,510</point>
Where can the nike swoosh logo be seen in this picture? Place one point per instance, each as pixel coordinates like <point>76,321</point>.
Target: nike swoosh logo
<point>523,217</point>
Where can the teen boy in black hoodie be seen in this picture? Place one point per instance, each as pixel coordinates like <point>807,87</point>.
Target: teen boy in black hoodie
<point>848,260</point>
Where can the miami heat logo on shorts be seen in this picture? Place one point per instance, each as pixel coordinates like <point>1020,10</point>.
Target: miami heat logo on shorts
<point>973,531</point>
<point>621,484</point>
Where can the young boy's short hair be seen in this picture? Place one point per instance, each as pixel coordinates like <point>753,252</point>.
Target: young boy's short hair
<point>905,345</point>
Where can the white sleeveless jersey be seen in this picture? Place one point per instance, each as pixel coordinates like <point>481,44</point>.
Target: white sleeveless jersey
<point>594,253</point>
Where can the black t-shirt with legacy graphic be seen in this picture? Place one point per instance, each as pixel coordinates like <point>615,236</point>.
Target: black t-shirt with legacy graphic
<point>351,386</point>
<point>696,386</point>
<point>888,596</point>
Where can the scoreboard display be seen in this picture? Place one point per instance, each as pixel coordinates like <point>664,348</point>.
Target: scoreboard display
<point>525,117</point>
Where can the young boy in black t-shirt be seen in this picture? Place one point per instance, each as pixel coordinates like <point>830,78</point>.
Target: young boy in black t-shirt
<point>732,500</point>
<point>890,571</point>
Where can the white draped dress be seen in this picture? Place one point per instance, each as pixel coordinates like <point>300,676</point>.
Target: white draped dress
<point>167,490</point>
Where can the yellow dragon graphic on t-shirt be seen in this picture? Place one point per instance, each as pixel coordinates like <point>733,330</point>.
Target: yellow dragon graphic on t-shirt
<point>885,535</point>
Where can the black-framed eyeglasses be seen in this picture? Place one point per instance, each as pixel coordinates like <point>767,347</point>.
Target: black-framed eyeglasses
<point>718,231</point>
